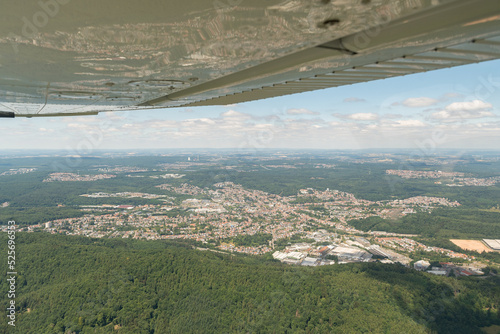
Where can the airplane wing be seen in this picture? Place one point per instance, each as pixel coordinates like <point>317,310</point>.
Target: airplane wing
<point>82,57</point>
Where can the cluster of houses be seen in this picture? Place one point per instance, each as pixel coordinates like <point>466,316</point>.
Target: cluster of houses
<point>349,251</point>
<point>62,177</point>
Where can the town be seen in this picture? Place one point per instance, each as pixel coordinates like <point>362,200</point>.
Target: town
<point>287,206</point>
<point>226,213</point>
<point>453,179</point>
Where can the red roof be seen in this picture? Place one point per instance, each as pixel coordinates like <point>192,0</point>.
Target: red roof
<point>324,249</point>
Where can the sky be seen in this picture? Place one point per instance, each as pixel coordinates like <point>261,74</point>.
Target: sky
<point>457,108</point>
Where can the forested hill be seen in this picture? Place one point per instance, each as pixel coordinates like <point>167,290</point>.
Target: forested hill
<point>81,285</point>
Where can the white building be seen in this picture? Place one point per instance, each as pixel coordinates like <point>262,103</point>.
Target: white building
<point>421,265</point>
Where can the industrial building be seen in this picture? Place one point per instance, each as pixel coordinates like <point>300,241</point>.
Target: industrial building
<point>493,243</point>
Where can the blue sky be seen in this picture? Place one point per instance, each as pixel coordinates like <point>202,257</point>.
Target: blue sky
<point>451,108</point>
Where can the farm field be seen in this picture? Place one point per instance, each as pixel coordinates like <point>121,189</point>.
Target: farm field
<point>473,245</point>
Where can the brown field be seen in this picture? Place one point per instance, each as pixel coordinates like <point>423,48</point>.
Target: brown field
<point>473,245</point>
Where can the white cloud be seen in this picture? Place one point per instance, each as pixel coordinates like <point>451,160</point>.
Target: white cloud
<point>156,124</point>
<point>354,99</point>
<point>460,111</point>
<point>271,118</point>
<point>468,106</point>
<point>361,116</point>
<point>391,116</point>
<point>286,128</point>
<point>408,123</point>
<point>451,95</point>
<point>234,114</point>
<point>455,116</point>
<point>232,118</point>
<point>417,102</point>
<point>202,120</point>
<point>301,111</point>
<point>78,126</point>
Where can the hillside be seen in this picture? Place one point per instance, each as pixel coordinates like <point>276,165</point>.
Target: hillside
<point>81,285</point>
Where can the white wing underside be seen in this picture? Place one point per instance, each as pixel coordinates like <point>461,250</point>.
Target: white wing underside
<point>63,58</point>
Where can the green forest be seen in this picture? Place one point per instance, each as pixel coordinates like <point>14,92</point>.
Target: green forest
<point>441,223</point>
<point>81,285</point>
